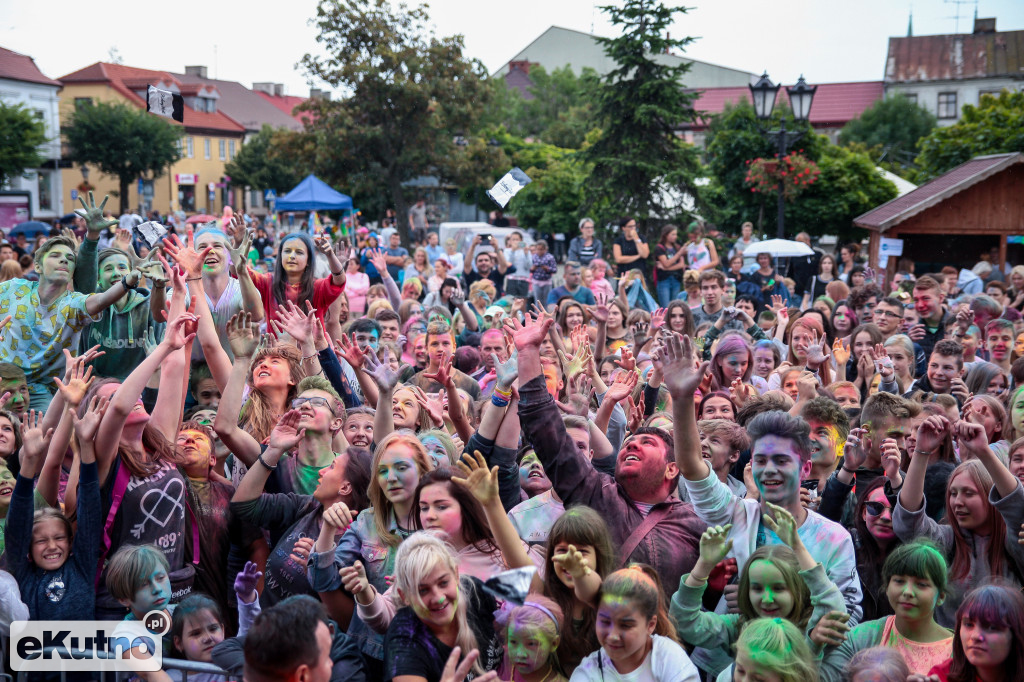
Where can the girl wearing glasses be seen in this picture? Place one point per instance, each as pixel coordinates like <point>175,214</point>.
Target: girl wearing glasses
<point>874,539</point>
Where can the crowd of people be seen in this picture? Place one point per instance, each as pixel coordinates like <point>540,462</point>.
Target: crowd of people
<point>316,470</point>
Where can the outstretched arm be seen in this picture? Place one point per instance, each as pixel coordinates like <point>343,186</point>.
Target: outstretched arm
<point>243,337</point>
<point>681,377</point>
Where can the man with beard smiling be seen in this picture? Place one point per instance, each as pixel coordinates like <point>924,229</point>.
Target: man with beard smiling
<point>647,521</point>
<point>780,459</point>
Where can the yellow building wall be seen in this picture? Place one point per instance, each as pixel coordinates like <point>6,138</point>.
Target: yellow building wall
<point>165,188</point>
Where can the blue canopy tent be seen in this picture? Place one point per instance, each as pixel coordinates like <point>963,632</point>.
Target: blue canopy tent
<point>313,194</point>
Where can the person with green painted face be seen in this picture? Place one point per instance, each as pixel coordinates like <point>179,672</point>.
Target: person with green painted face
<point>122,330</point>
<point>12,381</point>
<point>780,459</point>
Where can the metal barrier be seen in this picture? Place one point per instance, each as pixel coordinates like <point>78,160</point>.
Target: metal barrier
<point>186,667</point>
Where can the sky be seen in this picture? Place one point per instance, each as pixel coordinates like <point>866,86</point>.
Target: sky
<point>259,40</point>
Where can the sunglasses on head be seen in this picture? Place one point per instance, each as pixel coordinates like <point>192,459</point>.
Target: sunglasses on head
<point>875,508</point>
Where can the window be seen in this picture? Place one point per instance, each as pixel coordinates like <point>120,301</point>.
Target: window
<point>947,105</point>
<point>911,97</point>
<point>206,147</point>
<point>83,102</point>
<point>994,93</point>
<point>191,149</point>
<point>221,146</point>
<point>231,149</point>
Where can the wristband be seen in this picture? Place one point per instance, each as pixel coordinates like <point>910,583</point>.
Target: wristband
<point>128,287</point>
<point>194,279</point>
<point>849,471</point>
<point>264,463</point>
<point>506,394</point>
<point>498,401</point>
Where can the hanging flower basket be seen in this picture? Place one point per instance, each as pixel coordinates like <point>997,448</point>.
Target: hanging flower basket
<point>796,171</point>
<point>85,187</point>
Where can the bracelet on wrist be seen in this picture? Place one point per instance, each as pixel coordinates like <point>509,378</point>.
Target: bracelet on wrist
<point>264,463</point>
<point>498,401</point>
<point>927,453</point>
<point>849,471</point>
<point>193,279</point>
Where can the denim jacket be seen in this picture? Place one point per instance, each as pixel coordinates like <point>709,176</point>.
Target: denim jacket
<point>359,543</point>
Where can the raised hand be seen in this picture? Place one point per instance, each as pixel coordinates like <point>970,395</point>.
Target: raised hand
<point>458,297</point>
<point>636,413</point>
<point>840,352</point>
<point>658,318</point>
<point>123,242</point>
<point>477,479</point>
<point>301,551</point>
<point>456,672</point>
<point>783,524</point>
<point>443,375</point>
<point>892,457</point>
<point>580,388</point>
<point>180,331</point>
<point>964,318</point>
<point>347,348</point>
<point>599,311</point>
<point>777,303</point>
<point>378,261</point>
<point>831,629</point>
<point>380,371</point>
<point>76,383</point>
<point>679,375</point>
<point>715,544</point>
<point>628,362</point>
<point>323,244</point>
<point>506,372</point>
<point>299,325</point>
<point>355,582</point>
<point>572,365</point>
<point>528,335</point>
<point>185,255</point>
<point>740,392</point>
<point>432,404</point>
<point>243,335</point>
<point>971,436</point>
<point>33,442</point>
<point>93,216</point>
<point>931,433</point>
<point>572,561</point>
<point>622,387</point>
<point>854,452</point>
<point>579,336</point>
<point>287,434</point>
<point>807,386</point>
<point>817,350</point>
<point>339,516</point>
<point>641,331</point>
<point>240,254</point>
<point>246,581</point>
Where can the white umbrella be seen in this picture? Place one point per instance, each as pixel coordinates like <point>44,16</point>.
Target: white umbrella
<point>779,248</point>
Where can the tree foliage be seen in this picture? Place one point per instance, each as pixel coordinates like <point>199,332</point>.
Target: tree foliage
<point>995,126</point>
<point>410,96</point>
<point>848,183</point>
<point>890,129</point>
<point>21,134</point>
<point>561,110</point>
<point>263,162</point>
<point>122,141</point>
<point>639,165</point>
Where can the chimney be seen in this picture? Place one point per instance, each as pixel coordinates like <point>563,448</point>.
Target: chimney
<point>984,25</point>
<point>198,71</point>
<point>279,89</point>
<point>317,93</point>
<point>520,65</point>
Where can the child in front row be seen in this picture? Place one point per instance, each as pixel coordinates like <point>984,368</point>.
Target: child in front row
<point>638,640</point>
<point>55,568</point>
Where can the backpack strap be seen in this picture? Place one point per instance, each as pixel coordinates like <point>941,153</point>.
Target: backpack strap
<point>120,487</point>
<point>630,544</point>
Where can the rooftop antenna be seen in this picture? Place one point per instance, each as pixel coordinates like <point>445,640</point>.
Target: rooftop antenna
<point>958,4</point>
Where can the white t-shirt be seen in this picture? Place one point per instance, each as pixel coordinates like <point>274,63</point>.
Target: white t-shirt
<point>667,662</point>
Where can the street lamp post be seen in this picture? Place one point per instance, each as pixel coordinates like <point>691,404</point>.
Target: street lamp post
<point>801,95</point>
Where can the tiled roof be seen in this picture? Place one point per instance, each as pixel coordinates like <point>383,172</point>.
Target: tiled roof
<point>126,79</point>
<point>243,105</point>
<point>20,67</point>
<point>917,59</point>
<point>520,80</point>
<point>834,103</point>
<point>287,104</point>
<point>927,195</point>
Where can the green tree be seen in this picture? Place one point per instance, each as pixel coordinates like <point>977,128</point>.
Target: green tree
<point>890,129</point>
<point>640,166</point>
<point>734,138</point>
<point>263,162</point>
<point>411,95</point>
<point>561,110</point>
<point>21,134</point>
<point>995,126</point>
<point>122,141</point>
<point>849,183</point>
